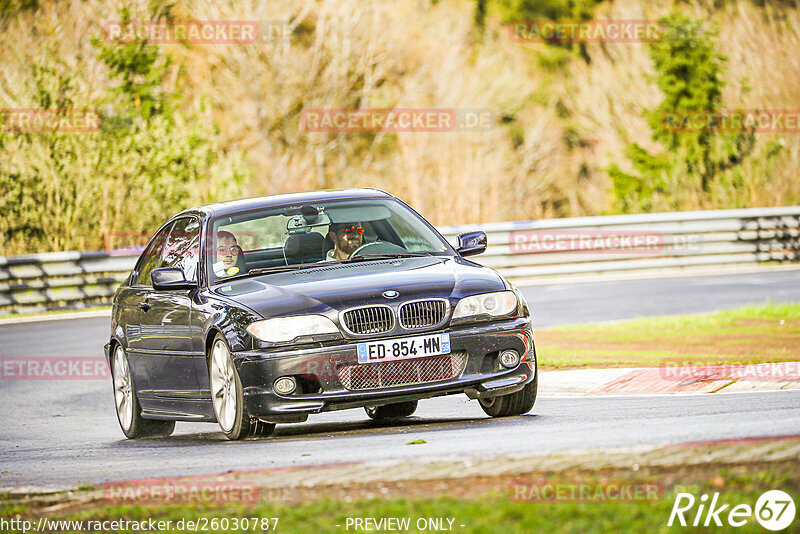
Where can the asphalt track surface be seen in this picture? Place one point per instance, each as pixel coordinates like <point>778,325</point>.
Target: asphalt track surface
<point>57,433</point>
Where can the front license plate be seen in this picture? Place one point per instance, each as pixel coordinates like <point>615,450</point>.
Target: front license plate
<point>403,348</point>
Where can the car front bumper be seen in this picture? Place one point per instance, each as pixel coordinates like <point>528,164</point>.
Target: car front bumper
<point>318,370</point>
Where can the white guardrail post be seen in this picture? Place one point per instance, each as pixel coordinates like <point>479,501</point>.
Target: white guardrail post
<point>521,251</point>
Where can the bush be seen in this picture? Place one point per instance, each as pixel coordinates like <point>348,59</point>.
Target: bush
<point>62,190</point>
<point>690,74</point>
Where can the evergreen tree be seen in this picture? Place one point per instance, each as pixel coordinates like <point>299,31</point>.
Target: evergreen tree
<point>689,72</point>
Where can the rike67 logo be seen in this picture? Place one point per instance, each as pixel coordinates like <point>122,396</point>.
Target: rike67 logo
<point>774,510</point>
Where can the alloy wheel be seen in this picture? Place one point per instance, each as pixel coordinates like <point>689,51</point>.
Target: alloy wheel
<point>223,386</point>
<point>123,392</point>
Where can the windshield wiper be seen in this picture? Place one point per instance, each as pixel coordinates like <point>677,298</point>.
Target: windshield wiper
<point>387,256</point>
<point>298,266</point>
<point>290,267</point>
<point>276,269</point>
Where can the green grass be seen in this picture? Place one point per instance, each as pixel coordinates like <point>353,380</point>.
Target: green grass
<point>487,513</point>
<point>751,334</point>
<point>696,323</point>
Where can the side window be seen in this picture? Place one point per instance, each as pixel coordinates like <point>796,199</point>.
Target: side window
<point>183,247</point>
<point>151,258</point>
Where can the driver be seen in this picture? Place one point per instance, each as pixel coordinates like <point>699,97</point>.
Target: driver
<point>229,257</point>
<point>346,237</point>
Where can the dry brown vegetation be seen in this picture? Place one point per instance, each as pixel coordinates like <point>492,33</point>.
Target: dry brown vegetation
<point>571,119</point>
<point>560,121</point>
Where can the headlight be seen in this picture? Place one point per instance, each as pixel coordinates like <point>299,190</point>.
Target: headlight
<point>487,305</point>
<point>287,329</point>
<point>523,304</point>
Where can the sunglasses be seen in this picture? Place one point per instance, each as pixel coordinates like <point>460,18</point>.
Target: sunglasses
<point>357,229</point>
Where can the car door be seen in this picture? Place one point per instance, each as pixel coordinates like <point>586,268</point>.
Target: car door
<point>166,318</point>
<point>133,300</point>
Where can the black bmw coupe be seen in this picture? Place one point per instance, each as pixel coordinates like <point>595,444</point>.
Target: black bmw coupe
<point>262,311</point>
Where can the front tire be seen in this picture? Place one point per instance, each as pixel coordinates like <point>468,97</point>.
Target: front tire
<point>129,415</point>
<point>227,396</point>
<point>517,403</point>
<point>391,411</point>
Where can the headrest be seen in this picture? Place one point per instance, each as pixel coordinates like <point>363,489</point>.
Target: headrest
<point>309,244</point>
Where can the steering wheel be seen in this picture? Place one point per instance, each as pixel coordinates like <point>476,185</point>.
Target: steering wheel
<point>378,247</point>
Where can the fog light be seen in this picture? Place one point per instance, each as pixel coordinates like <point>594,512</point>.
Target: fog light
<point>509,358</point>
<point>285,385</point>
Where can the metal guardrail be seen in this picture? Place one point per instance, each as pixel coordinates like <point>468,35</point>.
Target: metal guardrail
<point>519,250</point>
<point>56,280</point>
<point>656,241</point>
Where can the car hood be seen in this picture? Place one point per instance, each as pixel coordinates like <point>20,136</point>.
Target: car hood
<point>342,286</point>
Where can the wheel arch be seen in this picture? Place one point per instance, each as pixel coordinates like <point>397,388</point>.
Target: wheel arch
<point>112,344</point>
<point>229,319</point>
<point>211,335</point>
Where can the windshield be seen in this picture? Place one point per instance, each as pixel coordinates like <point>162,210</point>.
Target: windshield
<point>301,236</point>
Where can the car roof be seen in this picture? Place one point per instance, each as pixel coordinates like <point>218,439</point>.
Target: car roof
<point>236,206</point>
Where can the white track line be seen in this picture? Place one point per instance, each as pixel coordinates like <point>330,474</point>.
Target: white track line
<point>678,394</point>
<point>57,317</point>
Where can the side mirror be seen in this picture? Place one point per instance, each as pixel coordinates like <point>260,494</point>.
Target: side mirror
<point>471,243</point>
<point>168,278</point>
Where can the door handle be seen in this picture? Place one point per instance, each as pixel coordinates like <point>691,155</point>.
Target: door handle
<point>144,305</point>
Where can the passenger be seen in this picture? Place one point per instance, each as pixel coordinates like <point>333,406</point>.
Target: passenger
<point>346,237</point>
<point>229,255</point>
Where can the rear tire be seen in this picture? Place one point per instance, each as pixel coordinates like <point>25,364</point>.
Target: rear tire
<point>517,403</point>
<point>227,396</point>
<point>391,411</point>
<point>129,415</point>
